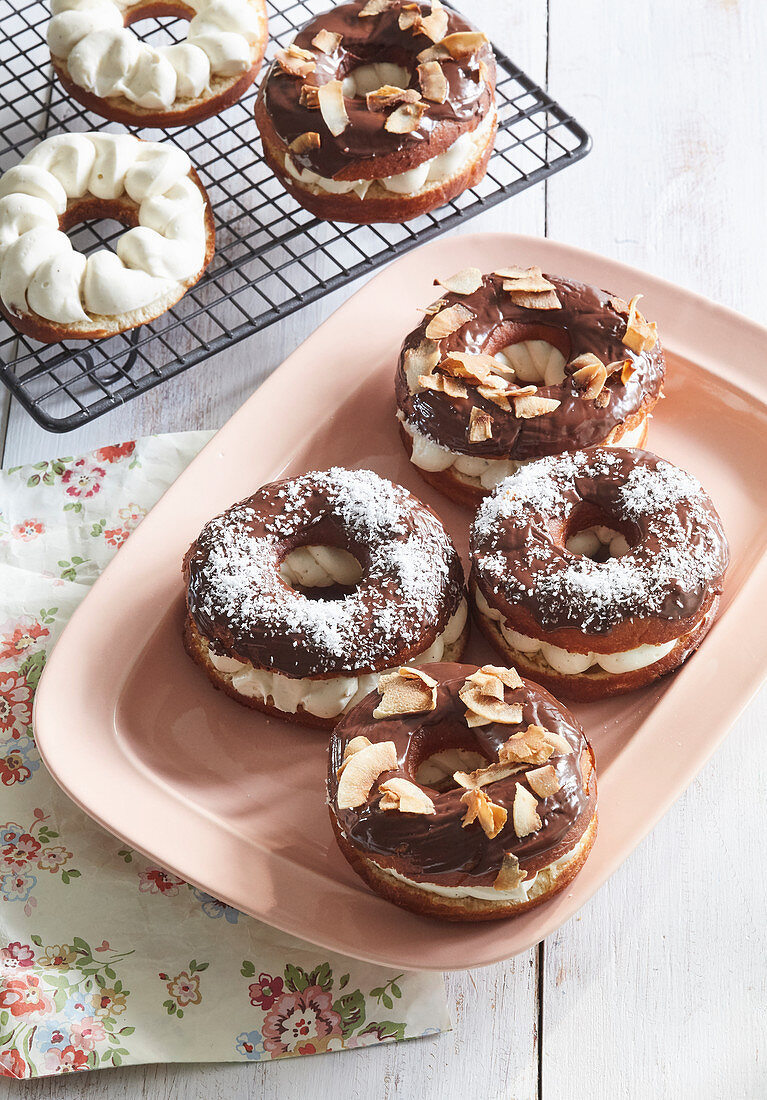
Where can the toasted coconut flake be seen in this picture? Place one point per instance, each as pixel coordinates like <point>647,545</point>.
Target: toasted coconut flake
<point>295,61</point>
<point>641,335</point>
<point>437,52</point>
<point>434,307</point>
<point>434,88</point>
<point>406,691</point>
<point>628,371</point>
<point>406,118</point>
<point>496,396</point>
<point>375,7</point>
<point>544,781</point>
<point>476,369</point>
<point>510,875</point>
<point>480,425</point>
<point>361,771</point>
<point>448,321</point>
<point>589,376</point>
<point>526,407</point>
<point>620,305</point>
<point>558,743</point>
<point>508,676</point>
<point>304,142</point>
<point>443,383</point>
<point>482,776</point>
<point>463,43</point>
<point>530,279</point>
<point>333,107</point>
<point>602,400</point>
<point>388,95</point>
<point>491,817</point>
<point>402,795</point>
<point>326,41</point>
<point>435,25</point>
<point>545,300</point>
<point>488,683</point>
<point>355,745</point>
<point>532,746</point>
<point>410,16</point>
<point>524,815</point>
<point>489,708</point>
<point>463,282</point>
<point>422,359</point>
<point>310,96</point>
<point>514,272</point>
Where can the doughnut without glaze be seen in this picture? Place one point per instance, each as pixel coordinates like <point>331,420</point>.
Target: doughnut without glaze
<point>432,862</point>
<point>539,350</point>
<point>271,644</point>
<point>52,292</point>
<point>365,172</point>
<point>597,571</point>
<point>105,66</point>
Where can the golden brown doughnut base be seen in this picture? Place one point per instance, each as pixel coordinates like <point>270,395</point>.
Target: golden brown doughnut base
<point>379,205</point>
<point>224,91</point>
<point>457,909</point>
<point>197,647</point>
<point>588,686</point>
<point>463,490</point>
<point>124,210</point>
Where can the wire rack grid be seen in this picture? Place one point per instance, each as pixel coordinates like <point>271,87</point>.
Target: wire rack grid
<point>272,257</point>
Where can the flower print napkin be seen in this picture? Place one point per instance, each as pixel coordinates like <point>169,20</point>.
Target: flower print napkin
<point>106,960</point>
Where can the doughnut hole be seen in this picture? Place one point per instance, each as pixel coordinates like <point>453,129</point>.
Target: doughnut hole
<point>436,752</point>
<point>92,223</point>
<point>167,26</point>
<point>321,572</point>
<point>592,534</point>
<point>536,353</point>
<point>368,77</point>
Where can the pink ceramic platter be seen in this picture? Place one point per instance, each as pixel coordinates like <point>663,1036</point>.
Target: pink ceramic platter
<point>233,801</point>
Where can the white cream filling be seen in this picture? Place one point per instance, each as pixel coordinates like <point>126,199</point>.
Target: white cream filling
<point>526,890</point>
<point>567,662</point>
<point>332,696</point>
<point>440,168</point>
<point>108,59</point>
<point>40,271</point>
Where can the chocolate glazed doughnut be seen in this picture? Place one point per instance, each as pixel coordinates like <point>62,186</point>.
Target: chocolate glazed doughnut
<point>463,793</point>
<point>380,111</point>
<point>509,367</point>
<point>597,572</point>
<point>300,595</point>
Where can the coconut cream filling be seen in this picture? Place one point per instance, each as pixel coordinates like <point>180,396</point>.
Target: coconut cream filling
<point>455,159</point>
<point>564,660</point>
<point>526,891</point>
<point>320,567</point>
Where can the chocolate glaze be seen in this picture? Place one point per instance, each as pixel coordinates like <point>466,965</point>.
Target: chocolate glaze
<point>587,322</point>
<point>411,585</point>
<point>374,38</point>
<point>436,848</point>
<point>679,552</point>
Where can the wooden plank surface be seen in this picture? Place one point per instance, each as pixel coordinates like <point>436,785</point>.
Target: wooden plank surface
<point>658,986</point>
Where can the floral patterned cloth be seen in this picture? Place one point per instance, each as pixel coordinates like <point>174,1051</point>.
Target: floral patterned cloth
<point>106,960</point>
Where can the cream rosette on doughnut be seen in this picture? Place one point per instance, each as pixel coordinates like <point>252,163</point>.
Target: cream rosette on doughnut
<point>53,292</point>
<point>104,65</point>
<point>599,571</point>
<point>299,596</point>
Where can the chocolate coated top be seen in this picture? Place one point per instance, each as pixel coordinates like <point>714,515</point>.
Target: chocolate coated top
<point>411,585</point>
<point>436,848</point>
<point>678,554</point>
<point>587,322</point>
<point>374,39</point>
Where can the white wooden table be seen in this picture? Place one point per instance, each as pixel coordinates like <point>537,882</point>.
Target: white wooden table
<point>658,987</point>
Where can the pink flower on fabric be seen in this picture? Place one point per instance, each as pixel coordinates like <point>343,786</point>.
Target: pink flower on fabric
<point>83,479</point>
<point>53,858</point>
<point>132,515</point>
<point>185,989</point>
<point>28,530</point>
<point>265,991</point>
<point>16,638</point>
<point>66,1060</point>
<point>115,537</point>
<point>156,881</point>
<point>16,954</point>
<point>299,1019</point>
<point>15,702</point>
<point>13,769</point>
<point>115,452</point>
<point>22,850</point>
<point>12,1064</point>
<point>87,1032</point>
<point>24,996</point>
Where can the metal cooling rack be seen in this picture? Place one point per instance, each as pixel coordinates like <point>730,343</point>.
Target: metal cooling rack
<point>272,256</point>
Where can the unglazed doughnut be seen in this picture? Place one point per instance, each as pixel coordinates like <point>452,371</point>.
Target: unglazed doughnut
<point>52,292</point>
<point>380,111</point>
<point>263,633</point>
<point>597,572</point>
<point>462,793</point>
<point>105,66</point>
<point>509,367</point>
